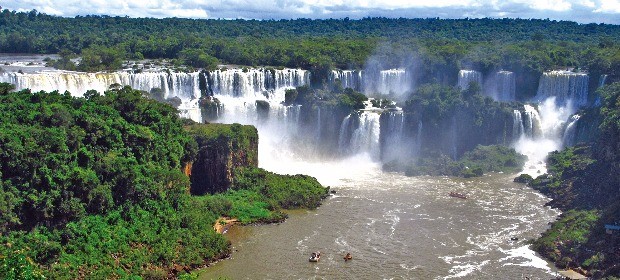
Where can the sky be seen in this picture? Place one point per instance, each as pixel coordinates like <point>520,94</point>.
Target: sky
<point>582,11</point>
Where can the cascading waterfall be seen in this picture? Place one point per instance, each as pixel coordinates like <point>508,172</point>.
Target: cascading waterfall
<point>468,76</point>
<point>256,84</point>
<point>348,78</point>
<point>504,86</point>
<point>569,133</point>
<point>532,122</point>
<point>395,83</point>
<point>182,85</point>
<point>343,136</point>
<point>318,124</point>
<point>237,89</point>
<point>517,125</point>
<point>542,133</point>
<point>365,137</point>
<point>565,86</point>
<point>602,79</point>
<point>185,86</point>
<point>393,146</point>
<point>559,95</point>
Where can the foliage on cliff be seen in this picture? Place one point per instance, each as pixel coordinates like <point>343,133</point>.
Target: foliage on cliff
<point>346,100</point>
<point>454,129</point>
<point>92,188</point>
<point>584,182</point>
<point>474,163</point>
<point>281,191</point>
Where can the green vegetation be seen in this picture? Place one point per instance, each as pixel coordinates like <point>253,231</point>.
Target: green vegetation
<point>441,47</point>
<point>288,192</point>
<point>583,182</point>
<point>92,188</point>
<point>474,163</point>
<point>524,179</point>
<point>566,235</point>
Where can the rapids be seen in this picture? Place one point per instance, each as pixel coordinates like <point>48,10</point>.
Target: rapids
<point>395,227</point>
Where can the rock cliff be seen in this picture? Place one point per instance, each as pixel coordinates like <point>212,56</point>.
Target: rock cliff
<point>222,148</point>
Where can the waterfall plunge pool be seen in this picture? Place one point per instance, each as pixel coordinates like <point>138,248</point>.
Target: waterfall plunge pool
<point>396,227</point>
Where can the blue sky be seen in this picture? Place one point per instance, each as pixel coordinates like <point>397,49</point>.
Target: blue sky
<point>582,11</point>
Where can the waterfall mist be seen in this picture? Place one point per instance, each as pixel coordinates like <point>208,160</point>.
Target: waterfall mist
<point>543,129</point>
<point>293,134</point>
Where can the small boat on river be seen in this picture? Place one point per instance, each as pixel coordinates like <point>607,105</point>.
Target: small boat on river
<point>348,257</point>
<point>458,195</point>
<point>315,256</point>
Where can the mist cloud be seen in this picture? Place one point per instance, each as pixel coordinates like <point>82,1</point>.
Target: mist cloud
<point>583,11</point>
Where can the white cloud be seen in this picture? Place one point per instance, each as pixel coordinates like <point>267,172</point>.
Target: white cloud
<point>584,11</point>
<point>609,6</point>
<point>552,5</point>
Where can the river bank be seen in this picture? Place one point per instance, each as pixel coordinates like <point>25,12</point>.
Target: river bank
<point>397,226</point>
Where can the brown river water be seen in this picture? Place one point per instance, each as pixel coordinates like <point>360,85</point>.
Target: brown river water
<point>396,227</point>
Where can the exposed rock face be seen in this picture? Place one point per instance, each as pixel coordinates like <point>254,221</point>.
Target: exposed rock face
<point>222,148</point>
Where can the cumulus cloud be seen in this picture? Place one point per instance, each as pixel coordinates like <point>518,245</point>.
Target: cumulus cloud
<point>584,11</point>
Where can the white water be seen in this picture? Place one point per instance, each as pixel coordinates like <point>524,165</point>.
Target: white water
<point>503,86</point>
<point>565,86</point>
<point>568,139</point>
<point>468,76</point>
<point>404,227</point>
<point>348,78</point>
<point>560,94</point>
<point>365,138</point>
<point>392,83</point>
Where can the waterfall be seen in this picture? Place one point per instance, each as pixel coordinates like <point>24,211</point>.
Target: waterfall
<point>569,133</point>
<point>602,79</point>
<point>393,146</point>
<point>237,89</point>
<point>256,83</point>
<point>532,126</point>
<point>504,86</point>
<point>395,83</point>
<point>318,124</point>
<point>565,86</point>
<point>542,132</point>
<point>293,113</point>
<point>365,138</point>
<point>517,125</point>
<point>182,85</point>
<point>348,78</point>
<point>344,137</point>
<point>468,76</point>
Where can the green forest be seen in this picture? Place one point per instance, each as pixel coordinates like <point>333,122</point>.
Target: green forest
<point>92,188</point>
<point>439,45</point>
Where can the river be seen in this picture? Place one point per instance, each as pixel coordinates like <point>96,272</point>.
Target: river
<point>396,227</point>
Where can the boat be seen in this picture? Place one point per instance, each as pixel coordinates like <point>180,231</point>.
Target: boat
<point>348,257</point>
<point>315,256</point>
<point>458,195</point>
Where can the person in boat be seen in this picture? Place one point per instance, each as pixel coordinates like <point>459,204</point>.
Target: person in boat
<point>313,255</point>
<point>348,257</point>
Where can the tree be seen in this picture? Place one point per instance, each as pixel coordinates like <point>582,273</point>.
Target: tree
<point>199,58</point>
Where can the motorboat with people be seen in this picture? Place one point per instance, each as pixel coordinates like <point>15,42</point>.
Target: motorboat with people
<point>458,195</point>
<point>315,256</point>
<point>348,257</point>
